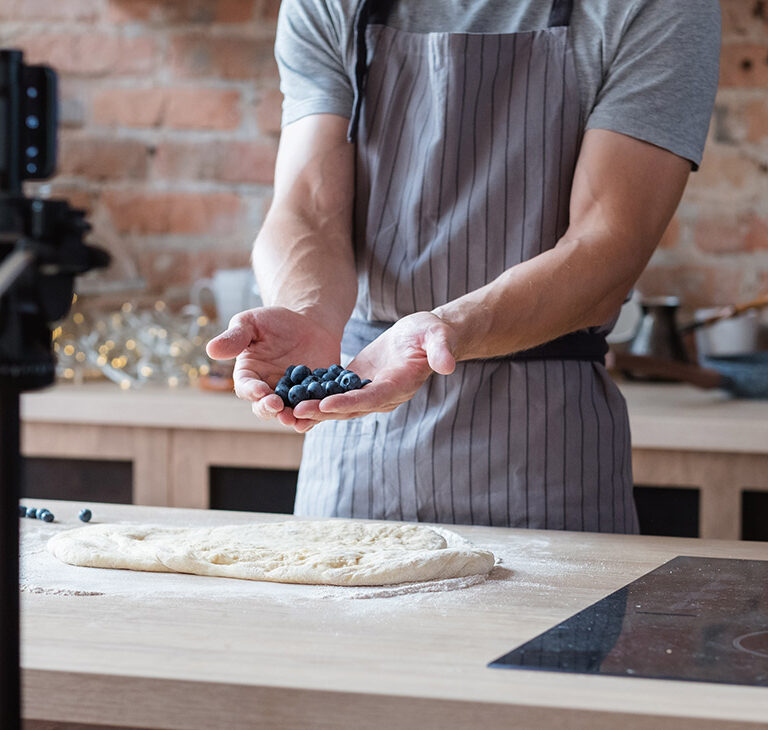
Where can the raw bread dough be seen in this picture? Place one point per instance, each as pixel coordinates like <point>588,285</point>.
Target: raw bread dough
<point>327,552</point>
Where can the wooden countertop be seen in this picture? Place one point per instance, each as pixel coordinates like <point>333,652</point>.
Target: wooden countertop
<point>662,416</point>
<point>171,651</point>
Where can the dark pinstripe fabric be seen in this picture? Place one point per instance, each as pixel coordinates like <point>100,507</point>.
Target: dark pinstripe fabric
<point>466,150</point>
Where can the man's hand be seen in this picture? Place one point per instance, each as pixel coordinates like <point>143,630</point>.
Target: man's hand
<point>397,362</point>
<point>265,342</point>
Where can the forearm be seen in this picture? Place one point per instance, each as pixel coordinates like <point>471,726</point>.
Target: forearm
<point>571,287</point>
<point>303,266</point>
<point>303,256</point>
<point>624,193</point>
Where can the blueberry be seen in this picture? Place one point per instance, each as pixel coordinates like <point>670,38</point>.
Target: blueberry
<point>297,394</point>
<point>85,515</point>
<point>284,381</point>
<point>282,391</point>
<point>349,380</point>
<point>365,382</point>
<point>334,371</point>
<point>310,379</point>
<point>315,390</point>
<point>319,372</point>
<point>331,387</point>
<point>288,371</point>
<point>47,516</point>
<point>299,373</point>
<point>22,511</point>
<point>32,513</point>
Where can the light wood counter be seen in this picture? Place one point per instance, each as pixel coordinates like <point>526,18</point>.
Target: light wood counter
<point>215,653</point>
<point>682,436</point>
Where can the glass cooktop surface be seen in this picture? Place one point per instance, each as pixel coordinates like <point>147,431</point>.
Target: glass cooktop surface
<point>696,619</point>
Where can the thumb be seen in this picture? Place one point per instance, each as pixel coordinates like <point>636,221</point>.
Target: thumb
<point>230,343</point>
<point>439,351</point>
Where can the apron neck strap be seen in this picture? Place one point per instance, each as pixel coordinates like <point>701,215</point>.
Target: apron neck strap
<point>560,14</point>
<point>368,11</point>
<point>376,11</point>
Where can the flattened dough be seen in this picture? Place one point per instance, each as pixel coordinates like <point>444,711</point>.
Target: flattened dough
<point>324,552</point>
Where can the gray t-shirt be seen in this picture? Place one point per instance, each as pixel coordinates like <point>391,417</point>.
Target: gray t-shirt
<point>646,68</point>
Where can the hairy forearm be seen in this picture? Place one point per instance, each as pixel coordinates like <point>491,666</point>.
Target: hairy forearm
<point>571,287</point>
<point>303,256</point>
<point>624,193</point>
<point>305,268</point>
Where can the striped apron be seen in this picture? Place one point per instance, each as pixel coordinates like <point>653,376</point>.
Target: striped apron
<point>466,146</point>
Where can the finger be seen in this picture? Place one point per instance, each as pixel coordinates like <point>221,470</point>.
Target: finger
<point>231,342</point>
<point>375,397</point>
<point>268,406</point>
<point>249,385</point>
<point>286,418</point>
<point>439,355</point>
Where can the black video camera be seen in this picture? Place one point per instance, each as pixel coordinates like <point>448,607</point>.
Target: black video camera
<point>41,241</point>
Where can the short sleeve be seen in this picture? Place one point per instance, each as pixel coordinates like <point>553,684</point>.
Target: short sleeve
<point>660,84</point>
<point>309,50</point>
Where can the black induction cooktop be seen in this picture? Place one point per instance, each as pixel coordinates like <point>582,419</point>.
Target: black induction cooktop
<point>695,619</point>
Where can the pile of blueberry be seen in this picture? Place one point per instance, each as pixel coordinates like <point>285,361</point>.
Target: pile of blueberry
<point>36,513</point>
<point>300,383</point>
<point>40,513</point>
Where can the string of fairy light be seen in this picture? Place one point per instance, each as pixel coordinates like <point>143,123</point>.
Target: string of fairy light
<point>134,346</point>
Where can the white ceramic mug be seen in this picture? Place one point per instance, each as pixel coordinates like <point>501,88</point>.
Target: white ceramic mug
<point>233,291</point>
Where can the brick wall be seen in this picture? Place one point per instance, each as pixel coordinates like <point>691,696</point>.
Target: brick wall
<point>170,119</point>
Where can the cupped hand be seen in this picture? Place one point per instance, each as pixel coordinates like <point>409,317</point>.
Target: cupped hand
<point>398,362</point>
<point>265,341</point>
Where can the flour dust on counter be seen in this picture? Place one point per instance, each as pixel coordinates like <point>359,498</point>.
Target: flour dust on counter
<point>324,552</point>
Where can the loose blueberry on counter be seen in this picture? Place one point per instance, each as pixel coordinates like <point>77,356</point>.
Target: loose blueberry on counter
<point>22,511</point>
<point>297,394</point>
<point>299,373</point>
<point>47,516</point>
<point>331,387</point>
<point>85,515</point>
<point>32,512</point>
<point>315,390</point>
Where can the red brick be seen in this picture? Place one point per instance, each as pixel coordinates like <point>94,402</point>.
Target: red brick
<point>730,233</point>
<point>103,158</point>
<point>90,54</point>
<point>755,117</point>
<point>222,160</point>
<point>146,212</point>
<point>46,10</point>
<point>162,269</point>
<point>129,107</point>
<point>196,55</point>
<point>697,285</point>
<point>202,108</point>
<point>744,65</point>
<point>671,235</point>
<point>185,108</point>
<point>269,111</point>
<point>744,18</point>
<point>725,172</point>
<point>181,11</point>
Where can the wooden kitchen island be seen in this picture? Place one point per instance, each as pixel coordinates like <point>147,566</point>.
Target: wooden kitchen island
<point>146,650</point>
<point>681,437</point>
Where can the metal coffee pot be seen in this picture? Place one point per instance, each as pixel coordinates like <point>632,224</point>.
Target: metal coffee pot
<point>658,334</point>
